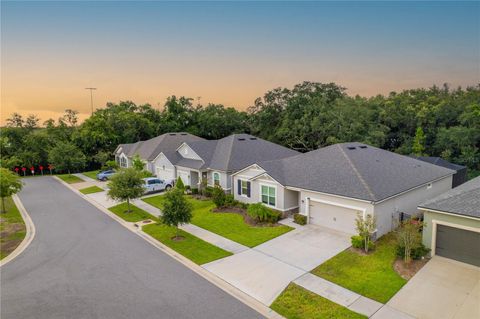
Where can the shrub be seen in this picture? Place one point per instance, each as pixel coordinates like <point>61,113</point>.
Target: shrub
<point>194,191</point>
<point>179,184</point>
<point>415,253</point>
<point>300,219</point>
<point>208,192</point>
<point>230,201</point>
<point>261,213</point>
<point>219,197</point>
<point>409,238</point>
<point>359,242</point>
<point>110,165</point>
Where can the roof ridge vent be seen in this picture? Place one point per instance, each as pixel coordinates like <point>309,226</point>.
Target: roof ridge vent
<point>183,133</point>
<point>241,139</point>
<point>351,147</point>
<point>363,146</point>
<point>253,138</point>
<point>172,134</point>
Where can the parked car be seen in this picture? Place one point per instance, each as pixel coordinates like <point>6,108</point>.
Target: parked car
<point>105,175</point>
<point>154,184</point>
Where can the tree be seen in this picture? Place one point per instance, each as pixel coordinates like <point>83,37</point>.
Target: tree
<point>66,157</point>
<point>365,228</point>
<point>409,237</point>
<point>138,163</point>
<point>179,184</point>
<point>126,185</point>
<point>102,158</point>
<point>218,196</point>
<point>176,210</point>
<point>16,120</point>
<point>418,146</point>
<point>31,122</point>
<point>10,184</point>
<point>71,117</point>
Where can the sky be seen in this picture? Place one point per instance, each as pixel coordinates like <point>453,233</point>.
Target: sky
<point>226,52</point>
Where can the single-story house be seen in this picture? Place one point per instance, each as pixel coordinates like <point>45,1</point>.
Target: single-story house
<point>155,152</point>
<point>215,160</point>
<point>453,223</point>
<point>331,185</point>
<point>460,175</point>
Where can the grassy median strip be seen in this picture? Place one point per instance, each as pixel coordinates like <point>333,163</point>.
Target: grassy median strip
<point>91,190</point>
<point>296,302</point>
<point>12,228</point>
<point>91,174</point>
<point>70,179</point>
<point>369,275</point>
<point>228,225</point>
<point>135,215</point>
<point>194,248</point>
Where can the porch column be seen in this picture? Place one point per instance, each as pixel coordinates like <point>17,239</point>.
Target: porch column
<point>307,209</point>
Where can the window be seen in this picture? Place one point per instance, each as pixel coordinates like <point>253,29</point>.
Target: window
<point>244,188</point>
<point>216,179</point>
<point>268,195</point>
<point>123,161</point>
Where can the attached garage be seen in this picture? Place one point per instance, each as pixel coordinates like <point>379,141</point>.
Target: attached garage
<point>185,176</point>
<point>165,173</point>
<point>458,244</point>
<point>337,217</point>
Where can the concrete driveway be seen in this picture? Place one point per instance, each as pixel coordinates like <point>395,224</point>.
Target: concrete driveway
<point>83,264</point>
<point>441,289</point>
<point>264,271</point>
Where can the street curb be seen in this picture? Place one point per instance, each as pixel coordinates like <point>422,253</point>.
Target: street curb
<point>30,232</point>
<point>220,283</point>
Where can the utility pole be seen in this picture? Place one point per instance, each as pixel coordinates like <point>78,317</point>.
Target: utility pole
<point>91,97</point>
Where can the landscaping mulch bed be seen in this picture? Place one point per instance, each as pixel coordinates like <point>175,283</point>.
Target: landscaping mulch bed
<point>243,212</point>
<point>408,271</point>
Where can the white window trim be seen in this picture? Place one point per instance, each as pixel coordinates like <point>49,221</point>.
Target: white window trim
<point>276,194</point>
<point>241,188</point>
<point>219,178</point>
<point>436,222</point>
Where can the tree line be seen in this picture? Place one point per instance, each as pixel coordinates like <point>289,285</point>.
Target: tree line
<point>438,121</point>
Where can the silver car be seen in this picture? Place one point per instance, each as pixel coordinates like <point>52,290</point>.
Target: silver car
<point>154,184</point>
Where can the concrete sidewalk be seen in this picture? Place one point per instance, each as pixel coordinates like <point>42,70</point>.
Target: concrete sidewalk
<point>212,238</point>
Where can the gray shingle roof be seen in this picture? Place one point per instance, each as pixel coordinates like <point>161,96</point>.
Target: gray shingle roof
<point>440,162</point>
<point>166,143</point>
<point>462,200</point>
<point>354,170</point>
<point>236,151</point>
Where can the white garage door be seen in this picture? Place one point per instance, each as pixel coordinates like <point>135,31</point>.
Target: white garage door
<point>335,217</point>
<point>184,176</point>
<point>165,173</point>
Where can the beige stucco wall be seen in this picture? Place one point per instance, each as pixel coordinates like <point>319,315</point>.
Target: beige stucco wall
<point>387,212</point>
<point>429,217</point>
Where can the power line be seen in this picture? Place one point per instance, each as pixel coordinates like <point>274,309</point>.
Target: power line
<point>91,97</point>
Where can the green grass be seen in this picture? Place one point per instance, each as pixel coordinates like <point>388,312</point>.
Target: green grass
<point>91,174</point>
<point>296,302</point>
<point>70,179</point>
<point>135,215</point>
<point>369,275</point>
<point>194,248</point>
<point>228,225</point>
<point>12,228</point>
<point>91,190</point>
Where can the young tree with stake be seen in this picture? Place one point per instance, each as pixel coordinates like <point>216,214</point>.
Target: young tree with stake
<point>126,185</point>
<point>366,227</point>
<point>176,209</point>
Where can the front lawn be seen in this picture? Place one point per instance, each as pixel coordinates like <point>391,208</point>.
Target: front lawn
<point>12,228</point>
<point>228,225</point>
<point>295,302</point>
<point>369,275</point>
<point>70,179</point>
<point>194,248</point>
<point>91,174</point>
<point>135,215</point>
<point>91,190</point>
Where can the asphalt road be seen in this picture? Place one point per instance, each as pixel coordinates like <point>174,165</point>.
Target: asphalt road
<point>83,264</point>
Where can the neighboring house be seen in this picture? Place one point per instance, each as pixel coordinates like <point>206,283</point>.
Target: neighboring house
<point>459,177</point>
<point>332,185</point>
<point>158,153</point>
<point>215,160</point>
<point>453,223</point>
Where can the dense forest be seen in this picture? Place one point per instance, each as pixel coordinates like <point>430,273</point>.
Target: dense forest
<point>438,121</point>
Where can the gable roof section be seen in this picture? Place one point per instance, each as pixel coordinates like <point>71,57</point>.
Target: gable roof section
<point>236,151</point>
<point>462,200</point>
<point>354,170</point>
<point>166,143</point>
